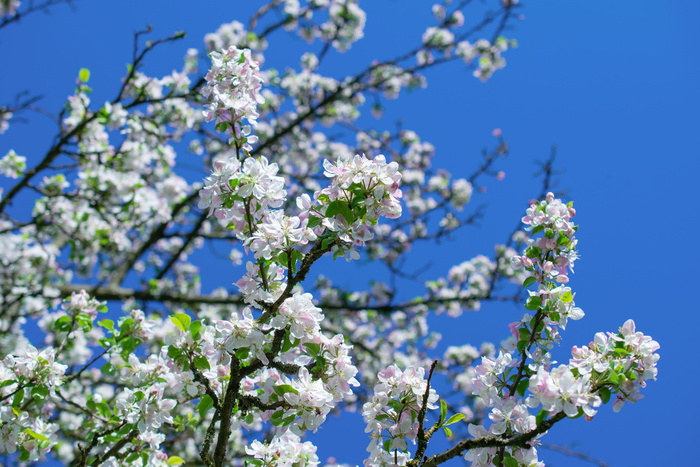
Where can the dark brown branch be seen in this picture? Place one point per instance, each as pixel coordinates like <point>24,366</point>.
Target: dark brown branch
<point>521,441</point>
<point>422,438</point>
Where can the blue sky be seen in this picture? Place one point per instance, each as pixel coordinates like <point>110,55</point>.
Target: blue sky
<point>612,84</point>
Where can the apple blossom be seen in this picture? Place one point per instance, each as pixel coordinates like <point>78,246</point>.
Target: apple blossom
<point>140,366</point>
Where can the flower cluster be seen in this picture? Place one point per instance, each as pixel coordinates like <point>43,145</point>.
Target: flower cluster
<point>555,252</point>
<point>361,191</point>
<point>283,450</point>
<point>5,116</point>
<point>160,387</point>
<point>233,91</point>
<point>12,165</point>
<point>392,414</point>
<point>33,376</point>
<point>9,8</point>
<point>487,54</point>
<point>612,364</point>
<point>240,194</point>
<point>618,363</point>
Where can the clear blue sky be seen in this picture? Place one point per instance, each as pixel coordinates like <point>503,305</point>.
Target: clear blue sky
<point>612,84</point>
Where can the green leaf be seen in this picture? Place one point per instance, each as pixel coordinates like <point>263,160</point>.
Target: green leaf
<point>39,392</point>
<point>17,400</point>
<point>320,365</point>
<point>510,462</point>
<point>604,394</point>
<point>297,257</point>
<point>181,320</point>
<point>567,297</point>
<point>312,349</point>
<point>282,389</point>
<point>283,259</point>
<point>104,409</point>
<point>614,378</point>
<point>454,419</point>
<point>242,353</point>
<point>205,403</point>
<point>84,75</point>
<point>63,324</point>
<point>201,362</point>
<point>563,241</point>
<point>533,252</point>
<point>541,415</point>
<point>125,430</point>
<point>85,322</point>
<point>529,281</point>
<point>396,405</point>
<point>522,386</point>
<point>35,435</point>
<point>443,411</point>
<point>277,418</point>
<point>533,303</point>
<point>342,208</point>
<point>175,353</point>
<point>125,326</point>
<point>313,222</point>
<point>107,324</point>
<point>447,431</point>
<point>128,345</point>
<point>387,445</point>
<point>174,460</point>
<point>287,343</point>
<point>539,327</point>
<point>523,334</point>
<point>195,327</point>
<point>7,382</point>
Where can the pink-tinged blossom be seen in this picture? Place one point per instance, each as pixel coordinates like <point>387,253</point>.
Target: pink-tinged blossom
<point>5,116</point>
<point>146,408</point>
<point>511,415</point>
<point>233,91</point>
<point>12,165</point>
<point>251,285</point>
<point>300,314</point>
<point>311,401</point>
<point>487,374</point>
<point>9,8</point>
<point>488,56</point>
<point>626,360</point>
<point>374,178</point>
<point>36,366</point>
<point>285,450</point>
<point>480,457</point>
<point>439,38</point>
<point>383,421</point>
<point>561,390</point>
<point>239,194</point>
